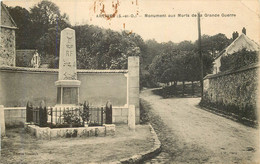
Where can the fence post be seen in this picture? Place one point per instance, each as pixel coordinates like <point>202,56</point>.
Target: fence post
<point>109,113</point>
<point>102,110</point>
<point>42,114</point>
<point>51,117</point>
<point>2,122</point>
<point>29,112</point>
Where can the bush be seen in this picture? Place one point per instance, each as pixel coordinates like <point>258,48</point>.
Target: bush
<point>238,60</point>
<point>85,114</point>
<point>144,107</point>
<point>71,118</point>
<point>247,111</point>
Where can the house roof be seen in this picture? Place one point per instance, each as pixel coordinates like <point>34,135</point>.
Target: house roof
<point>6,19</point>
<point>238,44</point>
<point>24,57</point>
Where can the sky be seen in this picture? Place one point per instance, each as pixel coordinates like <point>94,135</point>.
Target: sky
<point>218,16</point>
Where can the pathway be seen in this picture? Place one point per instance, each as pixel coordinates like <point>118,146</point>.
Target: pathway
<point>192,135</point>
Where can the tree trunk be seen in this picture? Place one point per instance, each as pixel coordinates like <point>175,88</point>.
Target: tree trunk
<point>192,88</point>
<point>175,83</point>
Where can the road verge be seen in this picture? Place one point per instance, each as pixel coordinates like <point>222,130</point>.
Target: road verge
<point>138,158</point>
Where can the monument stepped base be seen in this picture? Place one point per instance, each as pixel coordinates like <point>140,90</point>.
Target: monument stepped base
<point>55,133</point>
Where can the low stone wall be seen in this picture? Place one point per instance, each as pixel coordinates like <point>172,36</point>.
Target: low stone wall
<point>15,116</point>
<point>233,91</point>
<point>55,133</point>
<point>120,115</point>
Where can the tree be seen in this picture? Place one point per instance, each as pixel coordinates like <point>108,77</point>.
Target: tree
<point>179,65</point>
<point>186,46</point>
<point>47,23</point>
<point>106,49</point>
<point>213,44</point>
<point>48,45</point>
<point>153,49</point>
<point>22,18</point>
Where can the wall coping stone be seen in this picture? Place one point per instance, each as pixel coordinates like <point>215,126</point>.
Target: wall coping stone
<point>27,69</point>
<point>102,71</point>
<point>229,72</point>
<point>14,108</point>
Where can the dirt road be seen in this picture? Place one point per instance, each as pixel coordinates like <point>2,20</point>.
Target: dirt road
<point>192,135</point>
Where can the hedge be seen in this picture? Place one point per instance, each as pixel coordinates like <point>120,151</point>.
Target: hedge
<point>238,60</point>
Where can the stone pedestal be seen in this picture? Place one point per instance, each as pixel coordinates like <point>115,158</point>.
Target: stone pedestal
<point>67,91</point>
<point>67,85</point>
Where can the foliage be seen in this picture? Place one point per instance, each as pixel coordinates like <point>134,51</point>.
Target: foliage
<point>191,89</point>
<point>146,80</point>
<point>39,28</point>
<point>213,44</point>
<point>144,117</point>
<point>85,114</point>
<point>22,18</point>
<point>47,24</point>
<point>179,66</point>
<point>98,48</point>
<point>246,114</point>
<point>238,60</point>
<point>71,118</point>
<point>106,49</point>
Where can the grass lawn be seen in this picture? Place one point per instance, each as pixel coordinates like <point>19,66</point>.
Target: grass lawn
<point>20,147</point>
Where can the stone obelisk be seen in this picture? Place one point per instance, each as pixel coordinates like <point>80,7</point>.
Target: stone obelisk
<point>67,84</point>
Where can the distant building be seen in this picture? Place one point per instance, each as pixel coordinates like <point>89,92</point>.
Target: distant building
<point>239,42</point>
<point>7,41</point>
<point>27,58</point>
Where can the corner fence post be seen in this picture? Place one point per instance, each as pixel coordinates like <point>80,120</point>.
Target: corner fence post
<point>29,112</point>
<point>109,113</point>
<point>102,116</point>
<point>51,117</point>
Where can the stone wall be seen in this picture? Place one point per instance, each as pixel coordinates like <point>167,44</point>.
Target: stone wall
<point>7,47</point>
<point>235,91</point>
<point>18,85</point>
<point>15,116</point>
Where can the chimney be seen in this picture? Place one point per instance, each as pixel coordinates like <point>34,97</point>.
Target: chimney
<point>235,35</point>
<point>244,30</point>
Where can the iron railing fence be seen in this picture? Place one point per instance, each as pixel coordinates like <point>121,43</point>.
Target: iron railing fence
<point>58,115</point>
<point>72,115</point>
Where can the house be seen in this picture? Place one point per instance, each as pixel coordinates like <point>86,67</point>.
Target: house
<point>27,58</point>
<point>239,42</point>
<point>7,41</point>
